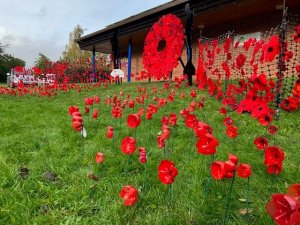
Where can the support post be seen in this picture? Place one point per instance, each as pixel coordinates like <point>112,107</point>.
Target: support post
<point>116,51</point>
<point>129,60</point>
<point>93,64</point>
<point>281,62</point>
<point>189,69</point>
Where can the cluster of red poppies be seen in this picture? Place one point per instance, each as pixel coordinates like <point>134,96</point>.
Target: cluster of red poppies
<point>151,110</point>
<point>292,102</point>
<point>259,91</point>
<point>66,75</point>
<point>257,105</point>
<point>110,132</point>
<point>231,130</point>
<point>77,122</point>
<point>285,208</point>
<point>179,81</point>
<point>89,103</point>
<point>206,143</point>
<point>297,34</point>
<point>116,109</point>
<point>273,155</point>
<point>221,170</point>
<point>78,71</point>
<point>165,129</point>
<point>48,90</point>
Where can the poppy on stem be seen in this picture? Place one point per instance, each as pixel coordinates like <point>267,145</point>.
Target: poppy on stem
<point>284,209</point>
<point>133,120</point>
<point>128,145</point>
<point>143,155</point>
<point>261,143</point>
<point>228,121</point>
<point>244,170</point>
<point>129,194</point>
<point>95,114</point>
<point>231,131</point>
<point>274,157</point>
<point>207,144</point>
<point>110,132</point>
<point>99,158</point>
<point>167,172</point>
<point>218,170</point>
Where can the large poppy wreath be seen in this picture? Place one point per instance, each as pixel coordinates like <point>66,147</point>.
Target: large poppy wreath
<point>163,46</point>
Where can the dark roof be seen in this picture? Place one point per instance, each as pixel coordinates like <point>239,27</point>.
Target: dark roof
<point>136,17</point>
<point>145,20</point>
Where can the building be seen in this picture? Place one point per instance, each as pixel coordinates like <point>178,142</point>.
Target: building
<point>212,18</point>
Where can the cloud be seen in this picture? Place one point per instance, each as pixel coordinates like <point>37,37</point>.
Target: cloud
<point>27,48</point>
<point>43,26</point>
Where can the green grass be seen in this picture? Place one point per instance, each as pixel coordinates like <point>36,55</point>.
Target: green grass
<point>3,84</point>
<point>36,133</point>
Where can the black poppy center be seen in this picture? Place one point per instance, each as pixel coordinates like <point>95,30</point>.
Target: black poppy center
<point>267,118</point>
<point>270,49</point>
<point>161,45</point>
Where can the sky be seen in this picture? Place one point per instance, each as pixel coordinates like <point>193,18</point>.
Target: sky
<point>30,27</point>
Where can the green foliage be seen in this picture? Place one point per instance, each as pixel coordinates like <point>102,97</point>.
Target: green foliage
<point>42,62</point>
<point>72,52</point>
<point>7,62</point>
<point>36,133</point>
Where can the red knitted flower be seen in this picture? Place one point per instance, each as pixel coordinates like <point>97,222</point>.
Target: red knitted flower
<point>271,49</point>
<point>163,46</point>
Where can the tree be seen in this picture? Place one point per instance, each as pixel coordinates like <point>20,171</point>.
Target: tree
<point>42,62</point>
<point>2,48</point>
<point>72,51</point>
<point>79,65</point>
<point>7,62</point>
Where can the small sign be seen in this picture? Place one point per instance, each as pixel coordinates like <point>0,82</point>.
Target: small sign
<point>241,38</point>
<point>83,132</point>
<point>117,72</point>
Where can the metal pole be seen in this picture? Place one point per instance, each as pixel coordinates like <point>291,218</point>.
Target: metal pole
<point>93,64</point>
<point>189,69</point>
<point>280,76</point>
<point>129,60</point>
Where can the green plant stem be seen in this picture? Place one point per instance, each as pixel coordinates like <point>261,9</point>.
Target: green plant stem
<point>248,199</point>
<point>169,194</point>
<point>113,142</point>
<point>273,176</point>
<point>207,186</point>
<point>145,177</point>
<point>127,164</point>
<point>228,200</point>
<point>134,133</point>
<point>149,135</point>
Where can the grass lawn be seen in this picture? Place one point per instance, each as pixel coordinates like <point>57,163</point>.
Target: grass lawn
<point>36,134</point>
